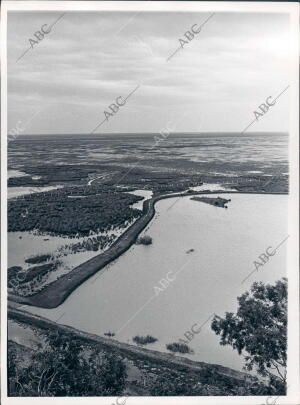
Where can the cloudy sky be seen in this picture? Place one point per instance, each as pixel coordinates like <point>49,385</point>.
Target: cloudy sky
<point>214,83</point>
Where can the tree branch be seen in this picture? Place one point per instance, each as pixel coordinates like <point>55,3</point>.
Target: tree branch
<point>41,377</point>
<point>52,379</point>
<point>277,368</point>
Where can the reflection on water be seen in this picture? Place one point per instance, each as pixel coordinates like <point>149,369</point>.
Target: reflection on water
<point>13,192</point>
<point>210,249</point>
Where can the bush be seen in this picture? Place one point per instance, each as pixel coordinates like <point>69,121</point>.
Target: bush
<point>179,347</point>
<point>144,340</point>
<point>109,334</point>
<point>144,240</point>
<point>66,368</point>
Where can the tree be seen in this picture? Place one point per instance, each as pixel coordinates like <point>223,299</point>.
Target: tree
<point>66,368</point>
<point>260,329</point>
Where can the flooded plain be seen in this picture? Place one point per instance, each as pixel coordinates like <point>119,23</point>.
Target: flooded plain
<point>195,267</point>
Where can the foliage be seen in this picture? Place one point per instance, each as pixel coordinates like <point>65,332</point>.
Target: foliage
<point>54,212</point>
<point>13,271</point>
<point>260,329</point>
<point>144,240</point>
<point>173,385</point>
<point>144,340</point>
<point>38,259</point>
<point>179,347</point>
<point>176,384</point>
<point>64,369</point>
<point>208,381</point>
<point>20,280</point>
<point>41,270</point>
<point>93,243</point>
<point>216,201</point>
<point>109,334</point>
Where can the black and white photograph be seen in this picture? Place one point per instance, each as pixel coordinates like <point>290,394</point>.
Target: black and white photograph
<point>149,202</point>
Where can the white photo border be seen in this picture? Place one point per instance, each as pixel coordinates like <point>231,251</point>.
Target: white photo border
<point>292,8</point>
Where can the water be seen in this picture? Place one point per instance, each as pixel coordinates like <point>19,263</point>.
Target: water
<point>212,153</point>
<point>146,194</point>
<point>13,192</point>
<point>226,242</point>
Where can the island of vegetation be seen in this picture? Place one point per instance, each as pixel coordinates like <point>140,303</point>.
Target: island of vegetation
<point>215,201</point>
<point>144,340</point>
<point>109,334</point>
<point>144,240</point>
<point>179,348</point>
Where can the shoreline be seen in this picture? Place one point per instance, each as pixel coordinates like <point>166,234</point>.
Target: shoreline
<point>55,293</point>
<point>129,351</point>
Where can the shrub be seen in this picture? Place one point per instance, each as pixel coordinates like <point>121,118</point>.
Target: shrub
<point>109,334</point>
<point>144,240</point>
<point>179,347</point>
<point>144,340</point>
<point>65,368</point>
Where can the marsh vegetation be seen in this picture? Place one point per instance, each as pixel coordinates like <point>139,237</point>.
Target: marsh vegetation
<point>53,212</point>
<point>144,240</point>
<point>144,340</point>
<point>179,348</point>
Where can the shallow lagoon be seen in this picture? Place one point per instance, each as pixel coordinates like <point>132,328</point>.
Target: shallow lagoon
<point>123,299</point>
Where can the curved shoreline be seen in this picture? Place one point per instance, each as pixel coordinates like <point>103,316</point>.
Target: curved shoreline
<point>56,293</point>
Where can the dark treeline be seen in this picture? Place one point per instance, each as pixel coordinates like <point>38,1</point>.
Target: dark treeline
<point>96,209</point>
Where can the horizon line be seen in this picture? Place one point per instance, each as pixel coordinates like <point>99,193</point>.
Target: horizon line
<point>158,133</point>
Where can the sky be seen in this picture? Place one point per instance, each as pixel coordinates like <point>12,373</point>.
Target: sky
<point>214,83</point>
